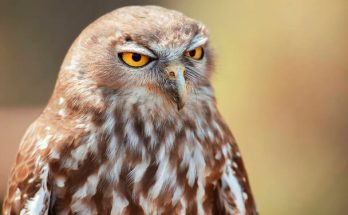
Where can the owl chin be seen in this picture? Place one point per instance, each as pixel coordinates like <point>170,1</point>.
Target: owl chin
<point>178,99</point>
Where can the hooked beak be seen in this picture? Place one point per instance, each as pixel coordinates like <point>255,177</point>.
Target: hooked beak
<point>176,73</point>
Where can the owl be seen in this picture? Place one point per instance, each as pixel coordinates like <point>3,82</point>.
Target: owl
<point>132,127</point>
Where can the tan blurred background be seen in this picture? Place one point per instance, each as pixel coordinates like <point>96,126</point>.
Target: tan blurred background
<point>281,82</point>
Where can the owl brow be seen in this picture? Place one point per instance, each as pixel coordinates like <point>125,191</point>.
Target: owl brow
<point>197,40</point>
<point>137,48</point>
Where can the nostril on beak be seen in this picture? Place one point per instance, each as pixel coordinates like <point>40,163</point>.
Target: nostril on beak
<point>172,74</point>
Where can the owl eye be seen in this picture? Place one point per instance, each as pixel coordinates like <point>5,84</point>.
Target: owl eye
<point>134,59</point>
<point>196,53</point>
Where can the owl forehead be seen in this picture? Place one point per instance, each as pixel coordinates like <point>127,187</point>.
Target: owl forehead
<point>160,27</point>
<point>161,36</point>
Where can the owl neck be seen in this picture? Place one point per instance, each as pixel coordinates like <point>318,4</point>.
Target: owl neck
<point>141,125</point>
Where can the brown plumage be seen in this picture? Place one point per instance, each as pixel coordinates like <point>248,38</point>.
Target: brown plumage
<point>119,138</point>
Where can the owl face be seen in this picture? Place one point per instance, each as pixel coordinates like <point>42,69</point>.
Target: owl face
<point>153,48</point>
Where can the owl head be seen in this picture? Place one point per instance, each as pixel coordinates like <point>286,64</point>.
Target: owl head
<point>148,47</point>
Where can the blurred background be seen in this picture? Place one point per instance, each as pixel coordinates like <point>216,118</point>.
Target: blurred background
<point>281,82</point>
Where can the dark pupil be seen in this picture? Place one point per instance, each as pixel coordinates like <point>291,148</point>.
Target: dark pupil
<point>136,57</point>
<point>192,53</point>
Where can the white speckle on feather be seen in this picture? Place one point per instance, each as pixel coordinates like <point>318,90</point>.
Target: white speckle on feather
<point>210,135</point>
<point>61,112</point>
<point>163,174</point>
<point>238,154</point>
<point>137,173</point>
<point>235,165</point>
<point>88,189</point>
<point>70,163</point>
<point>217,127</point>
<point>177,195</point>
<point>17,194</point>
<point>38,203</point>
<point>226,149</point>
<point>170,140</point>
<point>74,64</point>
<point>218,155</point>
<point>61,101</point>
<point>245,196</point>
<point>183,206</point>
<point>114,174</point>
<point>230,180</point>
<point>54,154</point>
<point>80,152</point>
<point>145,204</point>
<point>60,181</point>
<point>42,144</point>
<point>118,203</point>
<point>81,125</point>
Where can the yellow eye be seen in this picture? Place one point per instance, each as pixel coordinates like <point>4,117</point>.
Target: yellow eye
<point>134,59</point>
<point>196,53</point>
